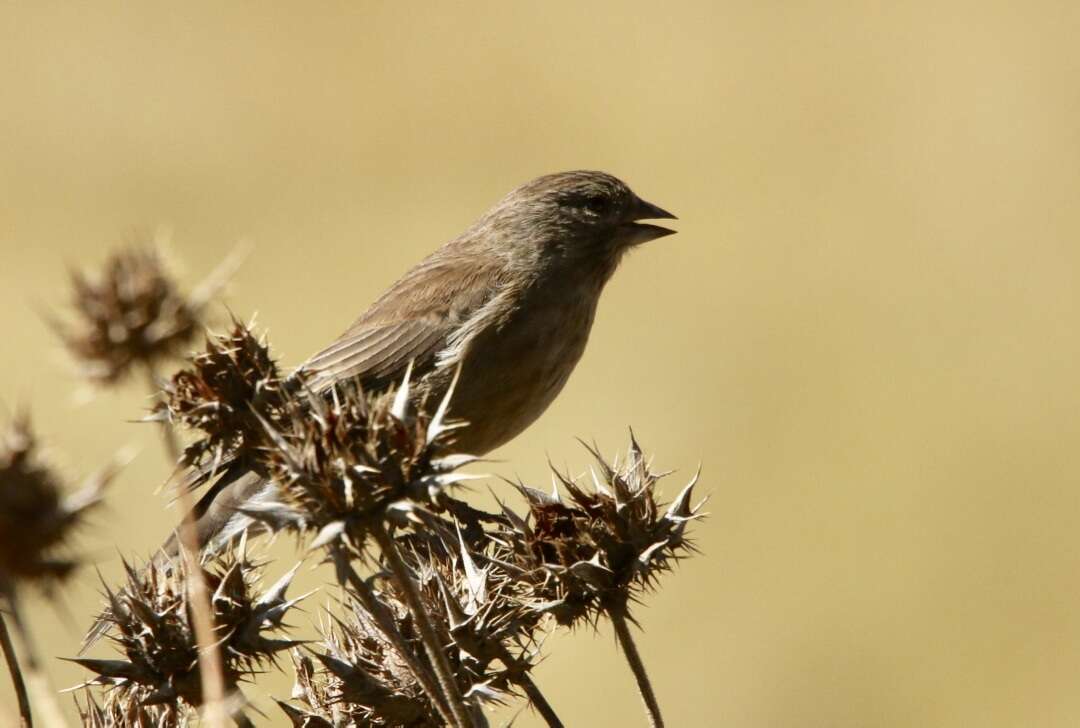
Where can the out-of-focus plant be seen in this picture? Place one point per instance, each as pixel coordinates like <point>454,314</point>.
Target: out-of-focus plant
<point>132,314</point>
<point>37,525</point>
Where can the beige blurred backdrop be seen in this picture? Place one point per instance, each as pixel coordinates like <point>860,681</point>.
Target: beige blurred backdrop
<point>867,329</point>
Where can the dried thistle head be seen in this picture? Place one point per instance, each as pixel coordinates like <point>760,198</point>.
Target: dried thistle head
<point>119,709</point>
<point>490,637</point>
<point>153,627</point>
<point>475,594</point>
<point>348,459</point>
<point>226,393</point>
<point>131,314</point>
<point>36,519</point>
<point>339,458</point>
<point>362,680</point>
<point>602,546</point>
<point>365,678</point>
<point>311,689</point>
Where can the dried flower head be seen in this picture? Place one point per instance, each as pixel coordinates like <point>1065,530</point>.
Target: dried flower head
<point>226,393</point>
<point>364,681</point>
<point>599,548</point>
<point>36,519</point>
<point>153,627</point>
<point>312,690</point>
<point>366,678</point>
<point>117,709</point>
<point>347,460</point>
<point>132,314</point>
<point>339,458</point>
<point>495,633</point>
<point>490,639</point>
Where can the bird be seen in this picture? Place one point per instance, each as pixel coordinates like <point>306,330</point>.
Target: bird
<point>506,307</point>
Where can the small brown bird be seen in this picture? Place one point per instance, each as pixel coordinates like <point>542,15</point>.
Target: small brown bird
<point>511,300</point>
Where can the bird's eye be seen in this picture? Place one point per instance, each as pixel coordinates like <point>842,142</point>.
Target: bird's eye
<point>596,204</point>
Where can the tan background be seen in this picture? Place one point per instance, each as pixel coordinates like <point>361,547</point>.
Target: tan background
<point>867,329</point>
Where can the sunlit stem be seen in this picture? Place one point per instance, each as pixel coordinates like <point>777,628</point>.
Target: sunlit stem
<point>26,719</point>
<point>378,612</point>
<point>211,670</point>
<point>404,581</point>
<point>44,698</point>
<point>523,680</point>
<point>633,658</point>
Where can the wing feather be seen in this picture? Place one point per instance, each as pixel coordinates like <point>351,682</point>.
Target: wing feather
<point>413,321</point>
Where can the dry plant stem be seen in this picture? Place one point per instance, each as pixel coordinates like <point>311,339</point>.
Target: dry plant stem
<point>211,672</point>
<point>43,695</point>
<point>409,592</point>
<point>543,707</point>
<point>378,612</point>
<point>525,682</point>
<point>168,435</point>
<point>26,720</point>
<point>626,641</point>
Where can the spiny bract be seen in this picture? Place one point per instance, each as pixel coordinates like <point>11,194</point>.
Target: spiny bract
<point>153,628</point>
<point>36,519</point>
<point>595,550</point>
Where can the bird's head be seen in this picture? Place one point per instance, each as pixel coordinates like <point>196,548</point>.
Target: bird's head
<point>574,217</point>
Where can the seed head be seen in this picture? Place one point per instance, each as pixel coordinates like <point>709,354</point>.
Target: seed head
<point>600,547</point>
<point>363,680</point>
<point>153,628</point>
<point>366,678</point>
<point>226,393</point>
<point>342,460</point>
<point>36,519</point>
<point>119,709</point>
<point>132,314</point>
<point>474,594</point>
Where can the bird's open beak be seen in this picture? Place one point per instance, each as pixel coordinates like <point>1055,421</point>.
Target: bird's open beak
<point>643,232</point>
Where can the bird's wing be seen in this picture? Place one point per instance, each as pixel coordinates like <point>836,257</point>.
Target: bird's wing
<point>413,321</point>
<point>380,353</point>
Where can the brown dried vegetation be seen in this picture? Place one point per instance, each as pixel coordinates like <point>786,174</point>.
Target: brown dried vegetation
<point>444,607</point>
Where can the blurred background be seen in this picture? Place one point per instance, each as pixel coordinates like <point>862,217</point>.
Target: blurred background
<point>867,329</point>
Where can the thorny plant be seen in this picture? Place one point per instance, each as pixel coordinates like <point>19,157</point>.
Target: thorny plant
<point>595,553</point>
<point>37,524</point>
<point>225,394</point>
<point>133,315</point>
<point>117,709</point>
<point>444,607</point>
<point>151,616</point>
<point>37,520</point>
